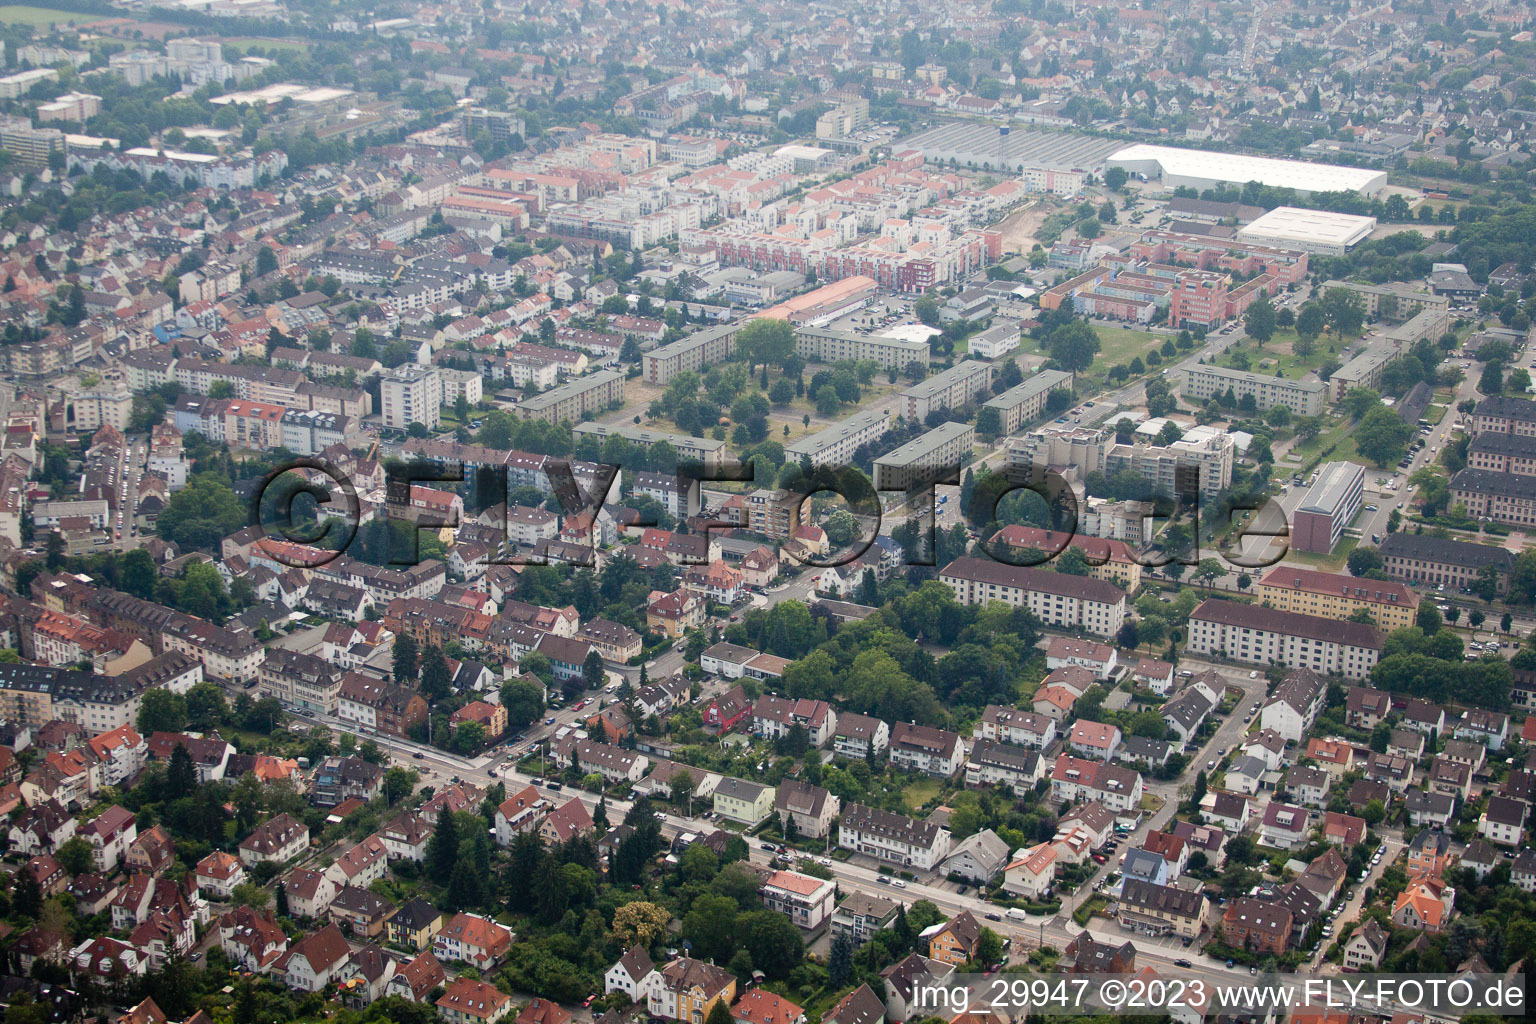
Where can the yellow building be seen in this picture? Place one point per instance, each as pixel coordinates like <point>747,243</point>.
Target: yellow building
<point>1288,588</point>
<point>688,989</point>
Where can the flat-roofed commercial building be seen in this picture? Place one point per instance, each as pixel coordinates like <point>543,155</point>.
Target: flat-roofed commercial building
<point>576,399</point>
<point>837,443</point>
<point>933,457</point>
<point>1265,636</point>
<point>1057,599</point>
<point>1207,169</point>
<point>1293,589</point>
<point>1025,402</point>
<point>1302,397</point>
<point>1318,523</point>
<point>821,345</point>
<point>1292,227</point>
<point>695,352</point>
<point>704,450</point>
<point>948,390</point>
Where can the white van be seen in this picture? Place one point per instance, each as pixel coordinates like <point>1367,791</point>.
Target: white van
<point>1016,914</point>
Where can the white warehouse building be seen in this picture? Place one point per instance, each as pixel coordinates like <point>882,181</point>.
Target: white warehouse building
<point>1205,169</point>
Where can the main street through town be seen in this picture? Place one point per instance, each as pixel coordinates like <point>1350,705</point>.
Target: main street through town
<point>861,873</point>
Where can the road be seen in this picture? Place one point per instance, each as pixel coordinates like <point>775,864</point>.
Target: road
<point>861,874</point>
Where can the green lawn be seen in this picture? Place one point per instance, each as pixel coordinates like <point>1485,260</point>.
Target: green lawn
<point>920,792</point>
<point>42,17</point>
<point>1334,561</point>
<point>1121,345</point>
<point>1277,358</point>
<point>245,43</point>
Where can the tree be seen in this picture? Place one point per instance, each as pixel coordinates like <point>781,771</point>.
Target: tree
<point>639,923</point>
<point>840,961</point>
<point>1428,617</point>
<point>76,855</point>
<point>1382,436</point>
<point>180,774</point>
<point>1073,345</point>
<point>766,341</point>
<point>202,514</point>
<point>1309,324</point>
<point>27,896</point>
<point>266,261</point>
<point>926,310</point>
<point>160,710</point>
<point>1365,560</point>
<point>280,900</point>
<point>443,848</point>
<point>1129,636</point>
<point>592,670</point>
<point>719,1013</point>
<point>773,940</point>
<point>1259,321</point>
<point>1492,380</point>
<point>399,783</point>
<point>405,657</point>
<point>1210,570</point>
<point>1343,310</point>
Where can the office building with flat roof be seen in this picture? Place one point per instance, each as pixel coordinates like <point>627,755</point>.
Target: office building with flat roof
<point>1319,231</point>
<point>1318,523</point>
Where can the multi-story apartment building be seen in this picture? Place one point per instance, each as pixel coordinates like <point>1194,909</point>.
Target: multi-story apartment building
<point>1265,636</point>
<point>575,400</point>
<point>928,750</point>
<point>695,352</point>
<point>1302,397</point>
<point>860,736</point>
<point>893,838</point>
<point>1437,561</point>
<point>1333,596</point>
<point>1015,727</point>
<point>1204,460</point>
<point>956,386</point>
<point>837,444</point>
<point>804,900</point>
<point>1503,453</point>
<point>821,345</point>
<point>1057,599</point>
<point>934,457</point>
<point>1072,779</point>
<point>708,452</point>
<point>300,680</point>
<point>1497,496</point>
<point>1505,415</point>
<point>1024,403</point>
<point>411,394</point>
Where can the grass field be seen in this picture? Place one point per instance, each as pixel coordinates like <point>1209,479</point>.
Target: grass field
<point>42,17</point>
<point>1277,358</point>
<point>1334,561</point>
<point>1121,345</point>
<point>245,43</point>
<point>920,792</point>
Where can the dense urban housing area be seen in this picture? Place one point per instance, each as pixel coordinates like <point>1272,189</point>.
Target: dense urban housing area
<point>715,513</point>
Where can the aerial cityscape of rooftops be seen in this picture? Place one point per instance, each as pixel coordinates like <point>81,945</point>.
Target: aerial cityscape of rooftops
<point>703,512</point>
